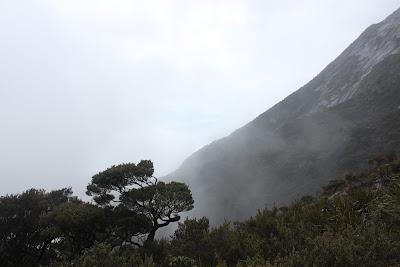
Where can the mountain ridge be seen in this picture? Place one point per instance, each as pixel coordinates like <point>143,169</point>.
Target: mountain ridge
<point>304,132</point>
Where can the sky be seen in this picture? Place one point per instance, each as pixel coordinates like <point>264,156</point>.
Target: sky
<point>85,84</point>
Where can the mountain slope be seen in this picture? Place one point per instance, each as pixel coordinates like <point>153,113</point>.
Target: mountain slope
<point>349,111</point>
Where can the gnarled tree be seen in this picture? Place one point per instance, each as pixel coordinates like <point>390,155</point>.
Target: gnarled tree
<point>135,188</point>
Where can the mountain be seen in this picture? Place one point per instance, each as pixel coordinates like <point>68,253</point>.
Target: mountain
<point>350,111</point>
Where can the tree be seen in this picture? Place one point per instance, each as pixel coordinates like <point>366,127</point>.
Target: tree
<point>73,227</point>
<point>135,188</point>
<point>22,242</point>
<point>192,239</point>
<point>77,225</point>
<point>125,225</point>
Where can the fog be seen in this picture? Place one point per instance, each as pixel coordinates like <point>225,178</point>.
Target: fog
<point>88,84</point>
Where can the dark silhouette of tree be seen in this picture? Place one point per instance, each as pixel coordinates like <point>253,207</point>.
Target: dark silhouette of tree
<point>192,239</point>
<point>135,188</point>
<point>125,225</point>
<point>22,242</point>
<point>73,227</point>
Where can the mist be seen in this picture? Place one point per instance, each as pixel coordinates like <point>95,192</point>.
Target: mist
<point>87,85</point>
<point>330,127</point>
<point>199,133</point>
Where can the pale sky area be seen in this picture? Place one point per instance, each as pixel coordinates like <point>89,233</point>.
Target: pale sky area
<point>85,84</point>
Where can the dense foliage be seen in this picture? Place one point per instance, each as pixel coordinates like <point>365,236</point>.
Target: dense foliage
<point>134,188</point>
<point>354,222</point>
<point>39,228</point>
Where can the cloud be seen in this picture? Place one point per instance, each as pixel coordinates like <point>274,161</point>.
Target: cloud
<point>87,84</point>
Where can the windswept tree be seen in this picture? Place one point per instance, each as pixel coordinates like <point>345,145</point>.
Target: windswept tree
<point>134,187</point>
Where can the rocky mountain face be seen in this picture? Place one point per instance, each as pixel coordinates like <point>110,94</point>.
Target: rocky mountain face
<point>350,111</point>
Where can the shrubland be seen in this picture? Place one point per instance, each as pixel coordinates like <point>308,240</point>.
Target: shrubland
<point>355,221</point>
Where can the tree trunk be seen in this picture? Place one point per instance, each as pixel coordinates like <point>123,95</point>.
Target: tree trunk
<point>152,234</point>
<point>156,226</point>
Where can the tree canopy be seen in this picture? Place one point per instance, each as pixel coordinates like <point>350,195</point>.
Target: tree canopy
<point>133,187</point>
<point>23,238</point>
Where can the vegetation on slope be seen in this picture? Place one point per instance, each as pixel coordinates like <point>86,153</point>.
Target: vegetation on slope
<point>354,222</point>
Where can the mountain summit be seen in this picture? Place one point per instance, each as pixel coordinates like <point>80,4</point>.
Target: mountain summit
<point>350,111</point>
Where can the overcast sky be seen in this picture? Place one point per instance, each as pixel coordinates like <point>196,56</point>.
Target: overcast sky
<point>85,84</point>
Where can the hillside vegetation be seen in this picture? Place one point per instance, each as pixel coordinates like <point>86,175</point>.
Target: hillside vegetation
<point>354,222</point>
